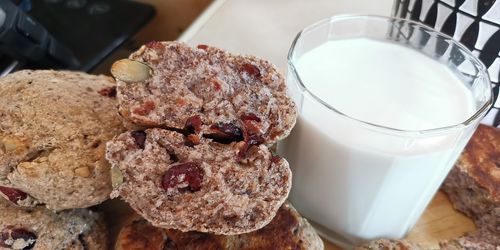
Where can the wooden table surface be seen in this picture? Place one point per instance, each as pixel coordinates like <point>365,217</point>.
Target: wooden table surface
<point>439,222</point>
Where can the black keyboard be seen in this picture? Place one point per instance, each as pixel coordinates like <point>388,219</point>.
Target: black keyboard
<point>66,34</point>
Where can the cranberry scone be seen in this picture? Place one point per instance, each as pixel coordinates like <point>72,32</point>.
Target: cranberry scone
<point>41,229</point>
<point>200,185</point>
<point>473,187</point>
<point>164,84</point>
<point>288,230</point>
<point>53,130</point>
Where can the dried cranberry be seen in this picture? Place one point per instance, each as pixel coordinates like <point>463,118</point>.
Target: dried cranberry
<point>185,177</point>
<point>139,137</point>
<point>251,69</point>
<point>192,140</point>
<point>109,91</point>
<point>251,122</point>
<point>250,117</point>
<point>216,84</point>
<point>255,140</point>
<point>225,133</point>
<point>10,235</point>
<point>14,195</point>
<point>202,46</point>
<point>181,102</point>
<point>145,108</point>
<point>250,141</point>
<point>275,159</point>
<point>193,124</point>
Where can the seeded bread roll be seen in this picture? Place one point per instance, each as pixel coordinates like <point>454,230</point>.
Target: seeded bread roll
<point>220,88</point>
<point>198,185</point>
<point>386,244</point>
<point>288,230</point>
<point>53,129</point>
<point>42,229</point>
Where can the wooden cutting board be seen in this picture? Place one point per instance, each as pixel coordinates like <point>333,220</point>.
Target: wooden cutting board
<point>439,222</point>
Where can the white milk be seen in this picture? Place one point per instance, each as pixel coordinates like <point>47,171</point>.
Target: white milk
<point>356,181</point>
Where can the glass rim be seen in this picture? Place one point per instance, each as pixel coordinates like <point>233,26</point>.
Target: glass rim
<point>481,67</point>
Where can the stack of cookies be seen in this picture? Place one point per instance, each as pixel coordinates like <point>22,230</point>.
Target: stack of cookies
<point>53,130</point>
<point>196,159</point>
<point>182,136</point>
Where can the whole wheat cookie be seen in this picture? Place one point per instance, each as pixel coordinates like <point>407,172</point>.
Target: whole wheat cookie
<point>53,130</point>
<point>288,230</point>
<point>42,229</point>
<point>177,182</point>
<point>165,84</point>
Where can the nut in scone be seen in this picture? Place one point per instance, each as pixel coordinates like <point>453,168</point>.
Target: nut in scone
<point>116,177</point>
<point>130,71</point>
<point>28,169</point>
<point>82,172</point>
<point>13,144</point>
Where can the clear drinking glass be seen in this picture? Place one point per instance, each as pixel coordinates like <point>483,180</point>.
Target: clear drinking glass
<point>355,180</point>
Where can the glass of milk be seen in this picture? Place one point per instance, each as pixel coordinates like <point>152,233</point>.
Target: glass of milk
<point>386,106</point>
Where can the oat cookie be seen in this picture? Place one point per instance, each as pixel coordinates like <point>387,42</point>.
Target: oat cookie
<point>42,229</point>
<point>198,184</point>
<point>53,130</point>
<point>166,83</point>
<point>288,230</point>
